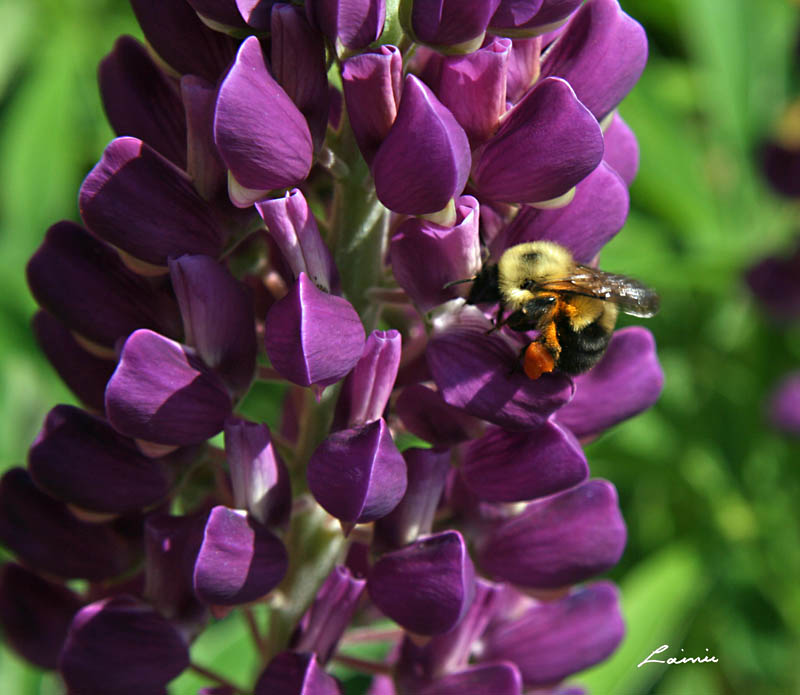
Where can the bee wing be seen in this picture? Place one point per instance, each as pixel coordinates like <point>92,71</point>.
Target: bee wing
<point>630,295</point>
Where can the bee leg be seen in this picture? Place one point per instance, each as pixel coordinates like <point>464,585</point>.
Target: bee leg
<point>498,319</point>
<point>537,359</point>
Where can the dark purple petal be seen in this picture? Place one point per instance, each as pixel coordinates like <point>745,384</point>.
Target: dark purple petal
<point>83,282</point>
<point>177,34</point>
<point>141,101</point>
<point>79,459</point>
<point>532,16</point>
<point>45,535</point>
<point>143,204</point>
<point>296,673</point>
<point>121,646</point>
<point>427,471</point>
<point>298,64</point>
<point>621,149</point>
<point>481,374</point>
<point>558,540</point>
<point>333,608</point>
<point>555,639</point>
<point>426,587</point>
<point>546,144</point>
<point>425,256</point>
<point>204,165</point>
<point>259,477</point>
<point>425,414</point>
<point>601,54</point>
<point>452,22</point>
<point>507,466</point>
<point>239,561</point>
<point>262,136</point>
<point>356,23</point>
<point>292,225</point>
<point>781,166</point>
<point>775,281</point>
<point>473,87</point>
<point>85,374</point>
<point>366,390</point>
<point>358,475</point>
<point>256,12</point>
<point>784,406</point>
<point>35,614</point>
<point>483,679</point>
<point>160,393</point>
<point>593,217</point>
<point>372,83</point>
<point>424,161</point>
<point>625,382</point>
<point>313,337</point>
<point>222,12</point>
<point>523,67</point>
<point>218,318</point>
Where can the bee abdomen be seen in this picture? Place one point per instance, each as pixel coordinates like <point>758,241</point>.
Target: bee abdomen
<point>580,350</point>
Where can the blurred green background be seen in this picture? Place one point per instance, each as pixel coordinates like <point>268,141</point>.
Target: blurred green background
<point>710,493</point>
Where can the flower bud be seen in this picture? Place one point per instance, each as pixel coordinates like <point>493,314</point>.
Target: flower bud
<point>355,23</point>
<point>454,25</point>
<point>296,673</point>
<point>204,165</point>
<point>531,17</point>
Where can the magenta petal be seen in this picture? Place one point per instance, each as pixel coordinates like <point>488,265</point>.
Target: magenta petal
<point>593,217</point>
<point>121,646</point>
<point>547,143</point>
<point>426,587</point>
<point>296,673</point>
<point>81,460</point>
<point>140,100</point>
<point>507,466</point>
<point>601,53</point>
<point>523,67</point>
<point>425,414</point>
<point>451,22</point>
<point>483,679</point>
<point>160,393</point>
<point>480,373</point>
<point>239,561</point>
<point>217,318</point>
<point>626,381</point>
<point>425,159</point>
<point>784,406</point>
<point>356,23</point>
<point>558,540</point>
<point>555,639</point>
<point>143,204</point>
<point>622,150</point>
<point>35,614</point>
<point>262,136</point>
<point>358,475</point>
<point>313,337</point>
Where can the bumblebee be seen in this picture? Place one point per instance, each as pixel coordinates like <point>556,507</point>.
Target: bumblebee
<point>573,307</point>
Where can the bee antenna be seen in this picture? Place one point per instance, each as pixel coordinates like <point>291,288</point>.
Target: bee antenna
<point>458,282</point>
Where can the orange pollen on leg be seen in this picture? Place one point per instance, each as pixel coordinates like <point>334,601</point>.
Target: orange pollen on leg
<point>537,360</point>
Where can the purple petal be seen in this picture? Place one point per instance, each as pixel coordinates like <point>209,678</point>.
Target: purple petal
<point>262,136</point>
<point>784,406</point>
<point>45,535</point>
<point>293,673</point>
<point>358,475</point>
<point>176,34</point>
<point>426,587</point>
<point>217,318</point>
<point>313,337</point>
<point>121,646</point>
<point>425,159</point>
<point>452,22</point>
<point>601,53</point>
<point>535,16</point>
<point>204,165</point>
<point>781,166</point>
<point>775,281</point>
<point>625,382</point>
<point>35,614</point>
<point>555,639</point>
<point>507,466</point>
<point>256,12</point>
<point>425,256</point>
<point>425,414</point>
<point>85,374</point>
<point>366,390</point>
<point>356,23</point>
<point>259,477</point>
<point>239,561</point>
<point>473,87</point>
<point>593,217</point>
<point>372,83</point>
<point>84,283</point>
<point>161,394</point>
<point>558,540</point>
<point>621,149</point>
<point>480,373</point>
<point>143,204</point>
<point>222,12</point>
<point>547,143</point>
<point>79,459</point>
<point>483,679</point>
<point>141,101</point>
<point>523,67</point>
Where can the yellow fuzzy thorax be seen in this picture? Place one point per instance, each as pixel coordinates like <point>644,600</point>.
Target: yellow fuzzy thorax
<point>537,262</point>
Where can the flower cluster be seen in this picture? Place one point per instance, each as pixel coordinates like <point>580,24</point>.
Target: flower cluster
<point>292,194</point>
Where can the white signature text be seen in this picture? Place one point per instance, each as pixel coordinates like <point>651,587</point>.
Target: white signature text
<point>705,659</point>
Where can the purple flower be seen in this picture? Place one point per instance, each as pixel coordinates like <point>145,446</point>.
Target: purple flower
<point>356,23</point>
